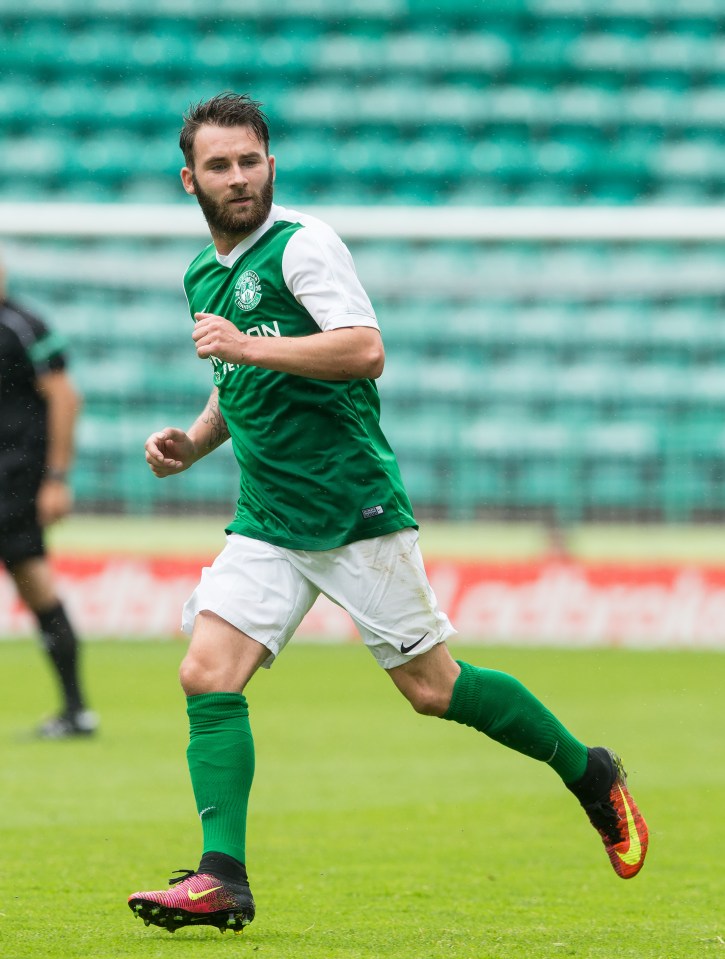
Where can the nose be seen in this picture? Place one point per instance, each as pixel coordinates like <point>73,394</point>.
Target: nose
<point>238,174</point>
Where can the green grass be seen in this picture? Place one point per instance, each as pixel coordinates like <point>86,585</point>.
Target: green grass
<point>373,832</point>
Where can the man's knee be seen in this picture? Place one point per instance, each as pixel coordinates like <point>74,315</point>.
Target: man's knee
<point>195,676</point>
<point>34,581</point>
<point>427,681</point>
<point>220,658</point>
<point>427,700</point>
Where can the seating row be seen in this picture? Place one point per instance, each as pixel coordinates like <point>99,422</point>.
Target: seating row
<point>690,49</point>
<point>488,467</point>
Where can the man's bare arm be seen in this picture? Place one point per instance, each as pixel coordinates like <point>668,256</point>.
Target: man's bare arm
<point>171,450</point>
<point>209,430</point>
<point>63,402</point>
<point>354,352</point>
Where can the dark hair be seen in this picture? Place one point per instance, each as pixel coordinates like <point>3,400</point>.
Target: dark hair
<point>224,110</point>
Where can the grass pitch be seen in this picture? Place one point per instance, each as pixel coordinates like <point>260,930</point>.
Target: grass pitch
<point>373,832</point>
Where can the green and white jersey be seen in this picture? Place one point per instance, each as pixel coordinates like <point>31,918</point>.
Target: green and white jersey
<point>316,470</point>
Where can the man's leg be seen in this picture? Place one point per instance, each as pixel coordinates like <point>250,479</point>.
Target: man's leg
<point>251,589</point>
<point>217,667</point>
<point>498,705</point>
<point>34,580</point>
<point>492,702</point>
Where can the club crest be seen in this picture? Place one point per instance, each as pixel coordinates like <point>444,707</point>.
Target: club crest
<point>248,290</point>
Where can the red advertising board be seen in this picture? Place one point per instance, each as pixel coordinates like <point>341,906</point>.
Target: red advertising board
<point>547,603</point>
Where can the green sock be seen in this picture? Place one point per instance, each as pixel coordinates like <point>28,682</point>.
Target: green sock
<point>500,706</point>
<point>221,764</point>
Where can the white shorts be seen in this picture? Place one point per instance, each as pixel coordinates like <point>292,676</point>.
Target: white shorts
<point>265,591</point>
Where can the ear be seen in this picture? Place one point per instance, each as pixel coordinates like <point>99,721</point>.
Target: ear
<point>187,180</point>
<point>273,166</point>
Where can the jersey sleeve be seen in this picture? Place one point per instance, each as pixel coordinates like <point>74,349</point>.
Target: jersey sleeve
<point>47,354</point>
<point>320,274</point>
<point>44,349</point>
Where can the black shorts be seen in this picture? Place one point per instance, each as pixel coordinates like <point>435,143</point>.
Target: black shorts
<point>21,538</point>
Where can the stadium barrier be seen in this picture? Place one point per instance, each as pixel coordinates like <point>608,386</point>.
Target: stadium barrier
<point>166,220</point>
<point>547,603</point>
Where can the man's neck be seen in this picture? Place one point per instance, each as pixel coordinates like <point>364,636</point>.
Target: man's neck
<point>226,242</point>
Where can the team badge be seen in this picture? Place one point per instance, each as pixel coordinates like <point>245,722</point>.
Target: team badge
<point>248,290</point>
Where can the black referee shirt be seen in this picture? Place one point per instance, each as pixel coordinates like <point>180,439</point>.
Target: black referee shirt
<point>28,349</point>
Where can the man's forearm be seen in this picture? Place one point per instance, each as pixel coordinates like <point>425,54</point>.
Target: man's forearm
<point>347,353</point>
<point>209,430</point>
<point>62,405</point>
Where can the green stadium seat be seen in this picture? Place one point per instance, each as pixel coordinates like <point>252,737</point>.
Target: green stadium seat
<point>548,487</point>
<point>18,101</point>
<point>619,486</point>
<point>98,48</point>
<point>431,434</point>
<point>26,156</point>
<point>342,53</point>
<point>479,486</point>
<point>110,379</point>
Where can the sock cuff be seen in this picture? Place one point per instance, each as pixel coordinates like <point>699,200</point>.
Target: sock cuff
<point>212,706</point>
<point>597,778</point>
<point>223,866</point>
<point>465,694</point>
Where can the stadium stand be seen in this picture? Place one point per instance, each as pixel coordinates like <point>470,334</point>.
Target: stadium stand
<point>562,380</point>
<point>429,102</point>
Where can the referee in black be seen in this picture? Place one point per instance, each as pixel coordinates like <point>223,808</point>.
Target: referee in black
<point>38,410</point>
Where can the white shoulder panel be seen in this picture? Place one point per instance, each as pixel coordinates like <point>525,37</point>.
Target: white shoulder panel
<point>319,272</point>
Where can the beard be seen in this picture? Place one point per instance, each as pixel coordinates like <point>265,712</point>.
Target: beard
<point>227,221</point>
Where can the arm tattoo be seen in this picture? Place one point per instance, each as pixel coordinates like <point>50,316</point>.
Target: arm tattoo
<point>212,417</point>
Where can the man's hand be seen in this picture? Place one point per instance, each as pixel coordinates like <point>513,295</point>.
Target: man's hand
<point>170,451</point>
<point>215,336</point>
<point>54,500</point>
